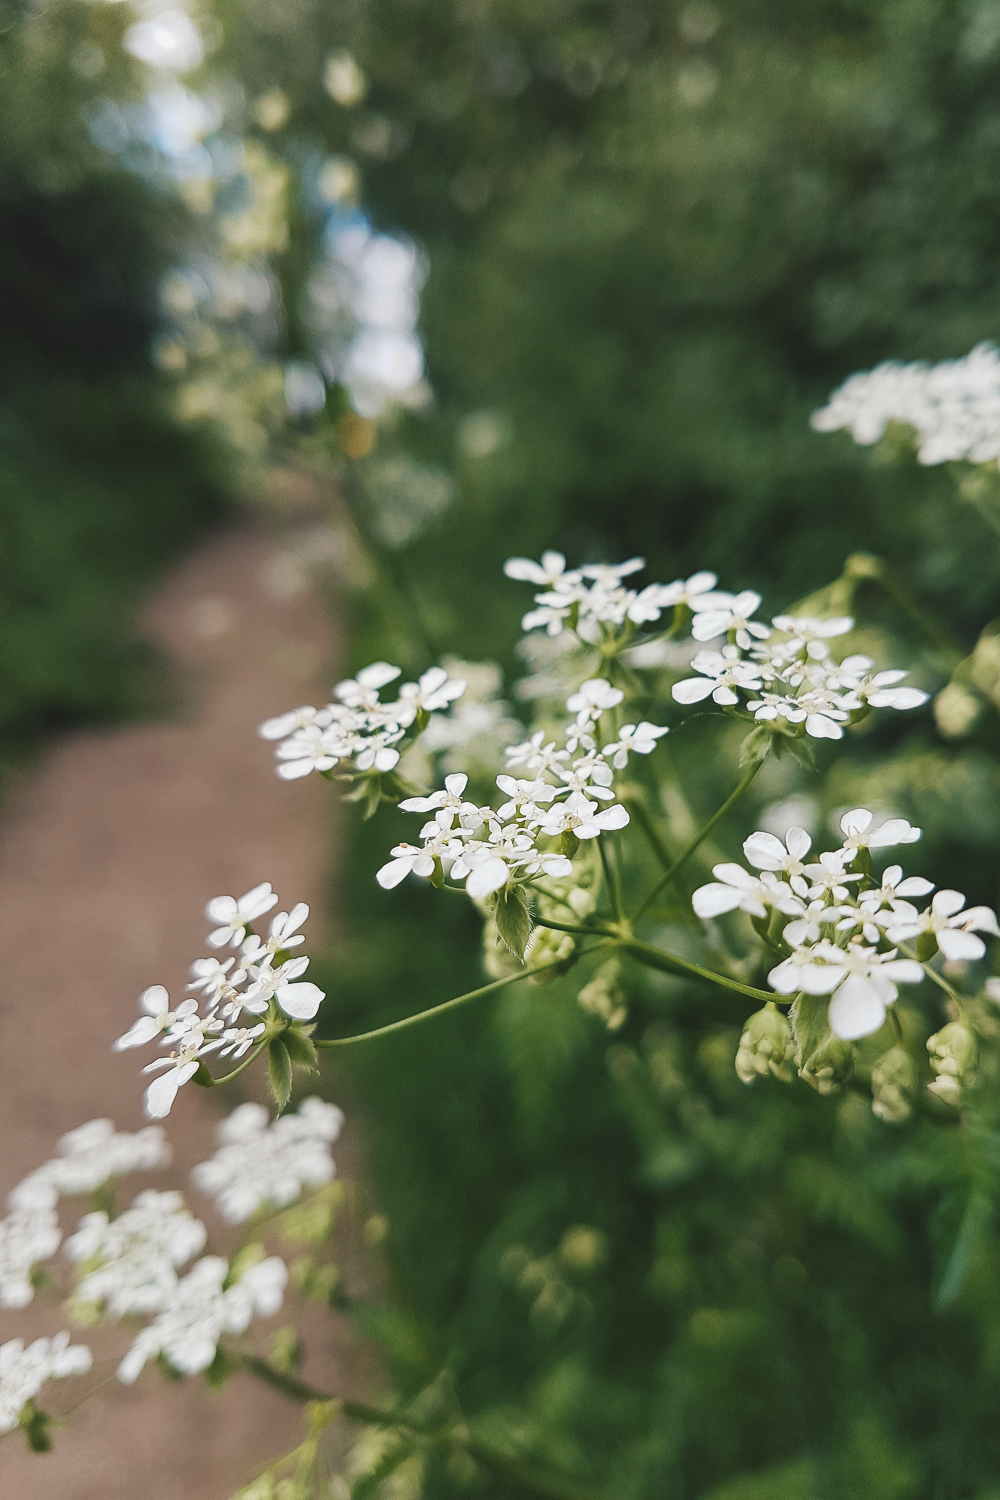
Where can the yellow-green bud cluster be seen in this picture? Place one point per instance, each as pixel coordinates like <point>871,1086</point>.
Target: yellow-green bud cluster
<point>766,1046</point>
<point>604,997</point>
<point>953,1058</point>
<point>894,1080</point>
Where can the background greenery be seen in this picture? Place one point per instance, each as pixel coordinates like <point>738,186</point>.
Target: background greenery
<point>656,237</point>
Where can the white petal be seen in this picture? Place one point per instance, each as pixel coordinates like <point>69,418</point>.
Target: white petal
<point>765,852</point>
<point>913,885</point>
<point>300,1000</point>
<point>391,874</point>
<point>612,817</point>
<point>820,979</point>
<point>855,821</point>
<point>785,977</point>
<point>903,971</point>
<point>947,903</point>
<point>692,689</point>
<point>957,946</point>
<point>822,728</point>
<point>713,900</point>
<point>486,878</point>
<point>163,1090</point>
<point>292,770</point>
<point>856,1009</point>
<point>799,843</point>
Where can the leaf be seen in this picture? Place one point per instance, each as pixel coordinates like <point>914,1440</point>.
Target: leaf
<point>513,919</point>
<point>977,1215</point>
<point>756,747</point>
<point>824,1061</point>
<point>299,1047</point>
<point>36,1428</point>
<point>279,1067</point>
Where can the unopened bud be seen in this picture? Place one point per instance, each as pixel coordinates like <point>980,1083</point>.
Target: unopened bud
<point>953,1058</point>
<point>766,1046</point>
<point>547,946</point>
<point>604,997</point>
<point>894,1079</point>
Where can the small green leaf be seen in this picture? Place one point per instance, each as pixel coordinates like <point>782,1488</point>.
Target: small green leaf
<point>35,1425</point>
<point>802,750</point>
<point>279,1067</point>
<point>300,1049</point>
<point>756,747</point>
<point>513,919</point>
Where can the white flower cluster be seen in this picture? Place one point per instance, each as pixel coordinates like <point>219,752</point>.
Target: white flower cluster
<point>954,406</point>
<point>91,1156</point>
<point>201,1308</point>
<point>786,672</point>
<point>781,673</point>
<point>542,816</point>
<point>262,1164</point>
<point>841,929</point>
<point>265,977</point>
<point>358,728</point>
<point>130,1263</point>
<point>587,598</point>
<point>23,1371</point>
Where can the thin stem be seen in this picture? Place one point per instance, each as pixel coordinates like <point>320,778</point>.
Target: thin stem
<point>655,958</point>
<point>251,1057</point>
<point>614,895</point>
<point>529,1475</point>
<point>716,817</point>
<point>437,1010</point>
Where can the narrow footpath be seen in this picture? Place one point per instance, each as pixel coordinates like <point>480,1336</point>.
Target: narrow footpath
<point>108,852</point>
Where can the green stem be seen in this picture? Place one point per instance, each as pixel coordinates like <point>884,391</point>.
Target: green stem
<point>716,817</point>
<point>614,895</point>
<point>655,958</point>
<point>525,1473</point>
<point>251,1057</point>
<point>437,1010</point>
<point>637,808</point>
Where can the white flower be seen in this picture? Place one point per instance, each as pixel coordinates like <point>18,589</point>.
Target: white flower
<point>893,887</point>
<point>29,1234</point>
<point>201,1309</point>
<point>300,1000</point>
<point>804,630</point>
<point>735,887</point>
<point>435,690</point>
<point>722,671</point>
<point>734,615</point>
<point>954,929</point>
<point>861,981</point>
<point>580,816</point>
<point>535,754</point>
<point>451,797</point>
<point>261,1164</point>
<point>859,834</point>
<point>765,852</point>
<point>640,739</point>
<point>309,749</point>
<point>406,858</point>
<point>235,915</point>
<point>89,1156</point>
<point>363,691</point>
<point>880,692</point>
<point>592,698</point>
<point>285,724</point>
<point>695,592</point>
<point>23,1371</point>
<point>181,1068</point>
<point>158,1018</point>
<point>131,1262</point>
<point>236,1040</point>
<point>611,574</point>
<point>550,573</point>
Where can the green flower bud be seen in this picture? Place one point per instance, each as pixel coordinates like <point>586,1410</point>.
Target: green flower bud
<point>766,1046</point>
<point>953,1058</point>
<point>894,1080</point>
<point>604,997</point>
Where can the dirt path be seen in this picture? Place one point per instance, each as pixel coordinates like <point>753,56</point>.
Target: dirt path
<point>107,857</point>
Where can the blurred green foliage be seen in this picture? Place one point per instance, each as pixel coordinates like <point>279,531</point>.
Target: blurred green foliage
<point>98,489</point>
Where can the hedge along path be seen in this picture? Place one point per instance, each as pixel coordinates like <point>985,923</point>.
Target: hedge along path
<point>108,852</point>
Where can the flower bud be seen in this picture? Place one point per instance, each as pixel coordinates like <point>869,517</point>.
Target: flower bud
<point>953,1058</point>
<point>766,1046</point>
<point>546,946</point>
<point>604,997</point>
<point>824,1061</point>
<point>894,1079</point>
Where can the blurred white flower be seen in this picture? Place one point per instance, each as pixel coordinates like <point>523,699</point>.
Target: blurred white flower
<point>264,1164</point>
<point>23,1371</point>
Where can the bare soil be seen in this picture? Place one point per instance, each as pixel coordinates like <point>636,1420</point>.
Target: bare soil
<point>108,852</point>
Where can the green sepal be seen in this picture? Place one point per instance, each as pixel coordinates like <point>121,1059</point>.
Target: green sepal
<point>436,876</point>
<point>568,843</point>
<point>513,919</point>
<point>824,1061</point>
<point>203,1077</point>
<point>757,747</point>
<point>279,1070</point>
<point>927,946</point>
<point>300,1049</point>
<point>35,1425</point>
<point>219,1370</point>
